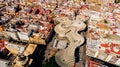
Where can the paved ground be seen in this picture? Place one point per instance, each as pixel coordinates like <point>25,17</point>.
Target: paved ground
<point>81,63</point>
<point>82,53</point>
<point>3,63</point>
